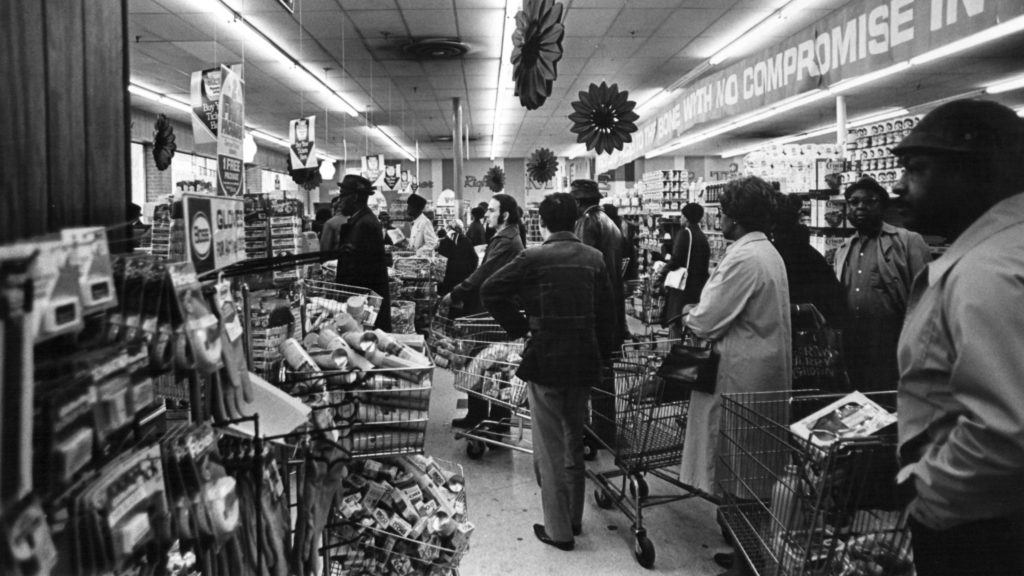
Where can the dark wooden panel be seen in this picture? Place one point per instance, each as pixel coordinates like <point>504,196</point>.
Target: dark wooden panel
<point>106,103</point>
<point>23,161</point>
<point>65,122</point>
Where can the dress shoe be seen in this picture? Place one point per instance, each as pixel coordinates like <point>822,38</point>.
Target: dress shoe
<point>538,531</point>
<point>466,422</point>
<point>725,559</point>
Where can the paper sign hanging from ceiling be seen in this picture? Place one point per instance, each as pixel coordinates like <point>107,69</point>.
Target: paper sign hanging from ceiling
<point>302,135</point>
<point>391,179</point>
<point>373,169</point>
<point>404,185</point>
<point>231,134</point>
<point>205,100</point>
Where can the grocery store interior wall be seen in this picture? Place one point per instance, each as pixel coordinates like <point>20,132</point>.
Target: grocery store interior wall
<point>65,145</point>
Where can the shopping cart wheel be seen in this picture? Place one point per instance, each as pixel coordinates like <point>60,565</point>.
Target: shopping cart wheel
<point>603,499</point>
<point>475,449</point>
<point>638,483</point>
<point>589,448</point>
<point>643,550</point>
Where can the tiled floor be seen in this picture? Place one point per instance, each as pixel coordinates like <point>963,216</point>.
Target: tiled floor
<point>504,503</point>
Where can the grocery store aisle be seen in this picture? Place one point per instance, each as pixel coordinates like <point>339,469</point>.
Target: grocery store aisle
<point>504,503</point>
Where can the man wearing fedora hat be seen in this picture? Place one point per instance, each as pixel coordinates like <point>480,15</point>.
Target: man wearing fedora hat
<point>362,260</point>
<point>961,354</point>
<point>876,266</point>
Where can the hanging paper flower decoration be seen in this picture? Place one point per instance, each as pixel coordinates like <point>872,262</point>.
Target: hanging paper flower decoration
<point>604,118</point>
<point>495,179</point>
<point>308,178</point>
<point>537,49</point>
<point>542,165</point>
<point>163,143</point>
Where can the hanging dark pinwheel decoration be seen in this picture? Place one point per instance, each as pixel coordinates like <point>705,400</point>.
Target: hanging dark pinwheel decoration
<point>542,165</point>
<point>604,118</point>
<point>495,179</point>
<point>163,143</point>
<point>308,178</point>
<point>537,49</point>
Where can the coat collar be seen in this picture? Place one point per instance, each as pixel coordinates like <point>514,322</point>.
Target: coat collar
<point>507,232</point>
<point>565,236</point>
<point>1007,213</point>
<point>748,238</point>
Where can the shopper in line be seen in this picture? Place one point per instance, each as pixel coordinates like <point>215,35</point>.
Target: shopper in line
<point>876,266</point>
<point>594,228</point>
<point>489,230</point>
<point>361,245</point>
<point>744,310</point>
<point>628,231</point>
<point>811,279</point>
<point>330,237</point>
<point>422,237</point>
<point>503,216</point>
<point>690,250</point>
<point>961,355</point>
<point>322,216</point>
<point>477,233</point>
<point>462,259</point>
<point>563,287</point>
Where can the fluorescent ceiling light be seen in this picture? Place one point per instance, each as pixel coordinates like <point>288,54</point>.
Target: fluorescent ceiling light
<point>574,151</point>
<point>757,32</point>
<point>269,138</point>
<point>394,141</point>
<point>1020,111</point>
<point>158,97</point>
<point>989,34</point>
<point>878,116</point>
<point>504,71</point>
<point>1005,85</point>
<point>850,83</point>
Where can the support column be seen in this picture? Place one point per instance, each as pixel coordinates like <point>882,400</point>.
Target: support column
<point>457,149</point>
<point>841,131</point>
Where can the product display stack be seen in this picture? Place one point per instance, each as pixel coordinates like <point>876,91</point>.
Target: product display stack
<point>285,219</point>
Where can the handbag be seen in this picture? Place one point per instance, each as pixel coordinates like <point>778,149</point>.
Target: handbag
<point>676,279</point>
<point>690,367</point>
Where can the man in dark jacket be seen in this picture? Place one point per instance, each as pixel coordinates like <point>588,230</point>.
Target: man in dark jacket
<point>503,216</point>
<point>477,234</point>
<point>462,260</point>
<point>690,250</point>
<point>594,228</point>
<point>563,287</point>
<point>361,243</point>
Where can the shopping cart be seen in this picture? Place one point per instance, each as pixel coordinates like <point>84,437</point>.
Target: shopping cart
<point>358,544</point>
<point>448,334</point>
<point>322,300</point>
<point>373,413</point>
<point>650,426</point>
<point>798,507</point>
<point>486,370</point>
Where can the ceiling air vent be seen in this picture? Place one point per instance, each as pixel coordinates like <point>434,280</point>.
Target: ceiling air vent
<point>435,48</point>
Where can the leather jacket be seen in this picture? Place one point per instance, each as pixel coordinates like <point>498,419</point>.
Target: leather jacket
<point>594,228</point>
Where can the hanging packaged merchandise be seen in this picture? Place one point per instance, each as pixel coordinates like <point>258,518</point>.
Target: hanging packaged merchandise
<point>239,391</point>
<point>28,548</point>
<point>65,429</point>
<point>88,251</point>
<point>17,384</point>
<point>58,308</point>
<point>119,518</point>
<point>201,326</point>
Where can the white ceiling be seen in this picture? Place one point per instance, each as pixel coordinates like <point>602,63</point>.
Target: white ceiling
<point>642,45</point>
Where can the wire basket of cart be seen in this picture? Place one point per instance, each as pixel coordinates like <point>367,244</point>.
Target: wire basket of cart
<point>649,430</point>
<point>373,413</point>
<point>418,276</point>
<point>821,501</point>
<point>322,300</point>
<point>448,336</point>
<point>487,370</point>
<point>404,515</point>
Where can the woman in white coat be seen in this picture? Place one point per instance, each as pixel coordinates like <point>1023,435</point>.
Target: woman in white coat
<point>744,309</point>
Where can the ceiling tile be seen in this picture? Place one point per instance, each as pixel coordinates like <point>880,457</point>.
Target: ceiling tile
<point>378,23</point>
<point>474,22</point>
<point>425,4</point>
<point>368,5</point>
<point>431,23</point>
<point>638,22</point>
<point>589,22</point>
<point>688,22</point>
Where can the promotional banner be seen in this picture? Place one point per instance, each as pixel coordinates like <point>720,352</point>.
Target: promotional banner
<point>861,37</point>
<point>302,135</point>
<point>405,185</point>
<point>205,100</point>
<point>214,230</point>
<point>231,134</point>
<point>373,169</point>
<point>391,178</point>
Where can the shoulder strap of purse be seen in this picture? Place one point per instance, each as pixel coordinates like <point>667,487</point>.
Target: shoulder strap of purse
<point>689,247</point>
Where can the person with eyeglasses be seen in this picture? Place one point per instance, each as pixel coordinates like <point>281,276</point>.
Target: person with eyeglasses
<point>876,266</point>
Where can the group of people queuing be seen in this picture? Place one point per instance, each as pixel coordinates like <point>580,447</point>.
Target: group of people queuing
<point>947,334</point>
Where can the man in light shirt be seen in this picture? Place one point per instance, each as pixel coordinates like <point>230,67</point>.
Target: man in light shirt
<point>961,353</point>
<point>422,237</point>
